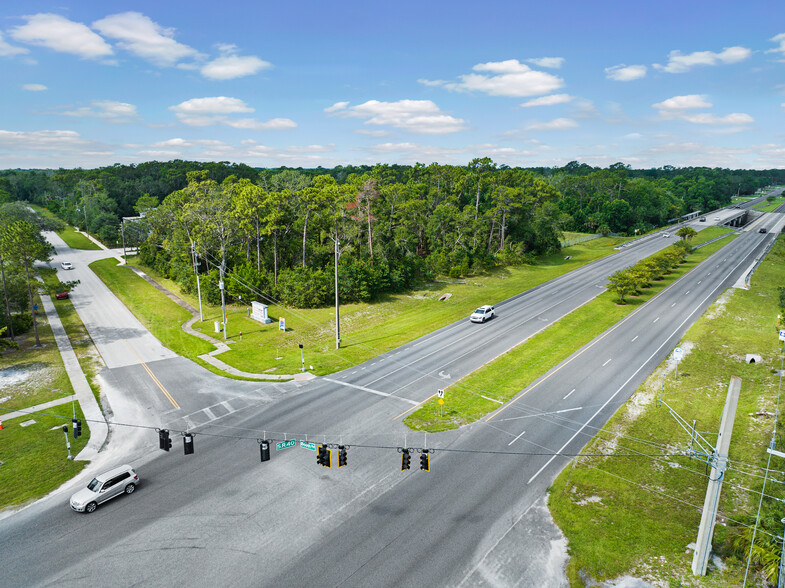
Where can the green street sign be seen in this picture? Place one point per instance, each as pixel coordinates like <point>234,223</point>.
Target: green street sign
<point>306,445</point>
<point>285,444</point>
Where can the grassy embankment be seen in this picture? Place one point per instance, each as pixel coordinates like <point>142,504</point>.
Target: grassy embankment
<point>638,515</point>
<point>367,330</point>
<point>465,400</point>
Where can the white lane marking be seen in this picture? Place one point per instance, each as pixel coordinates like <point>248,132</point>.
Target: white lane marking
<point>633,339</point>
<point>227,406</point>
<point>209,413</point>
<point>514,440</point>
<point>672,305</point>
<point>687,292</point>
<point>612,396</point>
<point>607,362</point>
<point>568,394</point>
<point>655,320</point>
<point>364,389</point>
<point>541,414</point>
<point>700,281</point>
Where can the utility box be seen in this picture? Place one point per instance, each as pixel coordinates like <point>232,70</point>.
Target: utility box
<point>259,312</point>
<point>217,326</point>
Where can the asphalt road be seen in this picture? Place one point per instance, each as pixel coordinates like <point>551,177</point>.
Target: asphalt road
<point>477,518</point>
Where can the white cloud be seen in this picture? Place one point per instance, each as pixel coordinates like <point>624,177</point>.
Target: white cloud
<point>677,108</point>
<point>34,87</point>
<point>183,143</point>
<point>548,100</point>
<point>775,39</point>
<point>230,66</point>
<point>735,118</point>
<point>145,38</point>
<point>274,124</point>
<point>8,50</point>
<point>679,103</point>
<point>679,63</point>
<point>372,132</point>
<point>203,112</point>
<point>40,140</point>
<point>63,35</point>
<point>211,105</point>
<point>557,124</point>
<point>107,109</point>
<point>425,82</point>
<point>336,107</point>
<point>552,62</point>
<point>625,73</point>
<point>416,116</point>
<point>504,78</point>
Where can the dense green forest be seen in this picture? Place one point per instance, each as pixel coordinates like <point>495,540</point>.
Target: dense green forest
<point>276,231</point>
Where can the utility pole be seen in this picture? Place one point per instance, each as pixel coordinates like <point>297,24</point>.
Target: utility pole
<point>223,299</point>
<point>195,261</point>
<point>122,234</point>
<point>337,309</point>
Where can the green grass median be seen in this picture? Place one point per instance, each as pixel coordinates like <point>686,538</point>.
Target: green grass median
<point>468,399</point>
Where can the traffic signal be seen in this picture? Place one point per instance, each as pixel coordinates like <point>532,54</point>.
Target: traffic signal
<point>405,459</point>
<point>341,456</point>
<point>164,442</point>
<point>264,449</point>
<point>323,456</point>
<point>77,428</point>
<point>424,462</point>
<point>188,444</point>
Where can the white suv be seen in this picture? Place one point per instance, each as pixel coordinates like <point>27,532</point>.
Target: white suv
<point>482,314</point>
<point>105,487</point>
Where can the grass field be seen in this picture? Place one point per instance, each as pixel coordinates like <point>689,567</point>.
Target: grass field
<point>368,330</point>
<point>34,457</point>
<point>638,515</point>
<point>467,400</point>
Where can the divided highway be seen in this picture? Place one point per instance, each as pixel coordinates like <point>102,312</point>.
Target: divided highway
<point>477,518</point>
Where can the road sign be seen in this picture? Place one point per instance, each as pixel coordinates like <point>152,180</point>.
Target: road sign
<point>285,444</point>
<point>306,445</point>
<point>782,335</point>
<point>441,401</point>
<point>678,353</point>
<point>440,393</point>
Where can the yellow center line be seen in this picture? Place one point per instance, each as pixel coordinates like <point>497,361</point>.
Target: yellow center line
<point>152,375</point>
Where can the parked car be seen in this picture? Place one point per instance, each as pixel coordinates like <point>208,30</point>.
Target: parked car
<point>67,265</point>
<point>111,484</point>
<point>482,314</point>
<point>61,295</point>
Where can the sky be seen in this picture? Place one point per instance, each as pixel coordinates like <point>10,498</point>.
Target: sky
<point>314,83</point>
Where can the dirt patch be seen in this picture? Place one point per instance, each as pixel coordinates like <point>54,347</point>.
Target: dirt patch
<point>24,379</point>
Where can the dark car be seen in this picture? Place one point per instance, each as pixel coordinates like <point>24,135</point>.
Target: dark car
<point>61,295</point>
<point>761,230</point>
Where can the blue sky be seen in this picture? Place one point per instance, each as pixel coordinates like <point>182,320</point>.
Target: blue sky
<point>271,83</point>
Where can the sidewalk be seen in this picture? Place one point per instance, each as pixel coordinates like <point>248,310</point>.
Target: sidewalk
<point>84,394</point>
<point>7,416</point>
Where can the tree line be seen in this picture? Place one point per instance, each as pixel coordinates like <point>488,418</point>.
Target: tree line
<point>279,231</point>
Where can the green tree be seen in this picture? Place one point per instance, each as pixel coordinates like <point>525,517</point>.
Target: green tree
<point>23,244</point>
<point>623,283</point>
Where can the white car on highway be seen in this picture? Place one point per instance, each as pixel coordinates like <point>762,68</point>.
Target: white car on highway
<point>482,314</point>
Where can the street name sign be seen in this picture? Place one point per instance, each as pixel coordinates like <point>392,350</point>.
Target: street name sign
<point>306,445</point>
<point>285,444</point>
